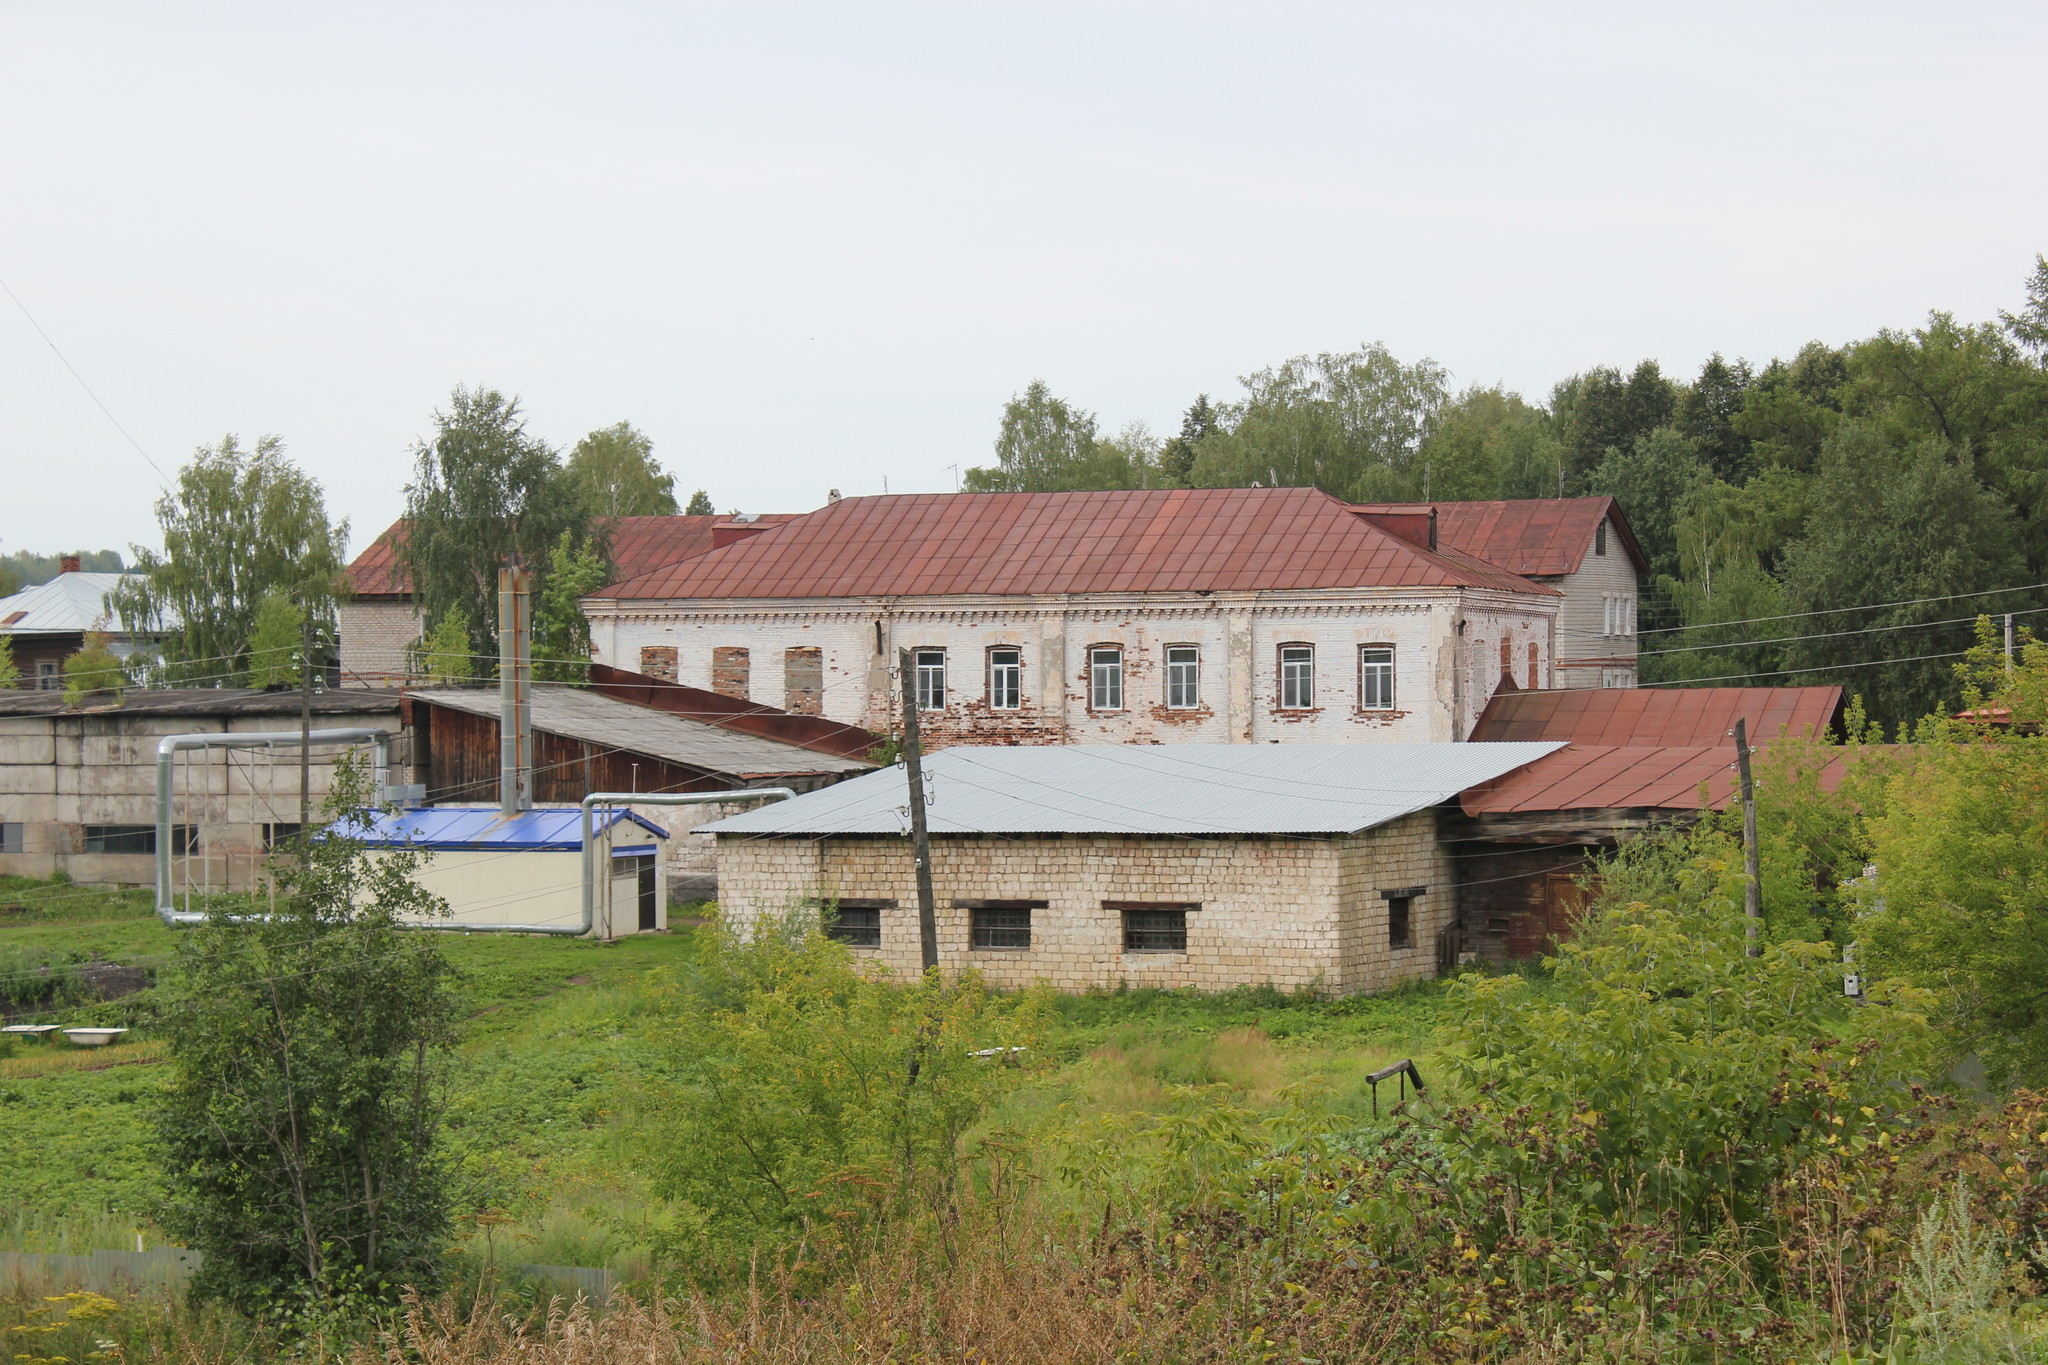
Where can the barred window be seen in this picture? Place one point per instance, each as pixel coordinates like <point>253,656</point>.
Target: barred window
<point>999,924</point>
<point>1005,679</point>
<point>1183,677</point>
<point>1376,677</point>
<point>1153,928</point>
<point>931,679</point>
<point>856,923</point>
<point>1297,677</point>
<point>1105,679</point>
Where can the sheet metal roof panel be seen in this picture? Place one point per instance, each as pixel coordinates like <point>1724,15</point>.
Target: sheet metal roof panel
<point>578,713</point>
<point>1549,537</point>
<point>447,828</point>
<point>68,604</point>
<point>1005,544</point>
<point>1183,789</point>
<point>639,545</point>
<point>1658,716</point>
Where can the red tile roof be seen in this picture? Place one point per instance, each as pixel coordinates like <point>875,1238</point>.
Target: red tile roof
<point>1542,536</point>
<point>639,545</point>
<point>1664,716</point>
<point>1166,540</point>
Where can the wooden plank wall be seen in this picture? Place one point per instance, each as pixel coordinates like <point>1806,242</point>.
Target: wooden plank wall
<point>458,760</point>
<point>1516,900</point>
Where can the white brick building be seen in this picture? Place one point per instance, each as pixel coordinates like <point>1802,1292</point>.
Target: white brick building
<point>1174,616</point>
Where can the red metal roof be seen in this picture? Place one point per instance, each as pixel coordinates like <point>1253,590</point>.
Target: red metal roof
<point>1662,716</point>
<point>714,708</point>
<point>1542,536</point>
<point>1165,540</point>
<point>1601,777</point>
<point>639,545</point>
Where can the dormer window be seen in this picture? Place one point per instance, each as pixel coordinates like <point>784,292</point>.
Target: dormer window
<point>1600,538</point>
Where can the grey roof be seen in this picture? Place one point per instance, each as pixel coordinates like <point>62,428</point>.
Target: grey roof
<point>1150,789</point>
<point>578,713</point>
<point>204,701</point>
<point>68,604</point>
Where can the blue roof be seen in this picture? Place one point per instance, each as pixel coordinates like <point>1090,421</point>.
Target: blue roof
<point>458,827</point>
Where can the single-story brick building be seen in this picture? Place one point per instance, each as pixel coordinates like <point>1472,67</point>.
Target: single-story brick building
<point>1192,865</point>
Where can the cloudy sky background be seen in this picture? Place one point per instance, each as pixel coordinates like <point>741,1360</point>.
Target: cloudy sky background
<point>808,246</point>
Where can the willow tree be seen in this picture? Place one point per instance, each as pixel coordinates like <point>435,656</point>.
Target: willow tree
<point>240,525</point>
<point>484,490</point>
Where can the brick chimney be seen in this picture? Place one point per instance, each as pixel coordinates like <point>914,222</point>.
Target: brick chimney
<point>68,564</point>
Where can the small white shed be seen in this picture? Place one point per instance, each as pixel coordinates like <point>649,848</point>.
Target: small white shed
<point>527,869</point>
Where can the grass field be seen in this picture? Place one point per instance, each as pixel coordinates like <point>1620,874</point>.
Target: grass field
<point>554,1097</point>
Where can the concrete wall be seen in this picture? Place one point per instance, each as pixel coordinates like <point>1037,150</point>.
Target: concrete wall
<point>1294,912</point>
<point>1439,690</point>
<point>61,773</point>
<point>1588,654</point>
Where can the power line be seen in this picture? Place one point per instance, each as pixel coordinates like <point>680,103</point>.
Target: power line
<point>81,381</point>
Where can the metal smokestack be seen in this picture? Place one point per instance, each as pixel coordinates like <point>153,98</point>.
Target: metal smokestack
<point>515,689</point>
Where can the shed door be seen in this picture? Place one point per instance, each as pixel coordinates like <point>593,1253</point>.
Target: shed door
<point>648,918</point>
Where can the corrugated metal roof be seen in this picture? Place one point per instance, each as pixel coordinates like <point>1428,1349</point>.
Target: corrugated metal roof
<point>1658,716</point>
<point>639,545</point>
<point>209,702</point>
<point>68,604</point>
<point>1544,536</point>
<point>1160,540</point>
<point>1606,777</point>
<point>578,713</point>
<point>1144,789</point>
<point>466,827</point>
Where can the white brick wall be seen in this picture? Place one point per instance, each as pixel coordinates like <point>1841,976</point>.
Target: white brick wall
<point>1290,911</point>
<point>1440,684</point>
<point>375,639</point>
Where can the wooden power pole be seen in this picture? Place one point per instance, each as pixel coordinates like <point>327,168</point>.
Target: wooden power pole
<point>306,725</point>
<point>920,838</point>
<point>1753,882</point>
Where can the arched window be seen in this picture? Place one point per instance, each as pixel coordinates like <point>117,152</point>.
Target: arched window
<point>1183,677</point>
<point>1375,677</point>
<point>1005,678</point>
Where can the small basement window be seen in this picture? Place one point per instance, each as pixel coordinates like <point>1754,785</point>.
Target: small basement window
<point>856,923</point>
<point>1401,915</point>
<point>10,836</point>
<point>1151,927</point>
<point>999,925</point>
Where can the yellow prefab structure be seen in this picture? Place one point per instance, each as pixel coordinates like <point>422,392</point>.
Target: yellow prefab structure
<point>527,869</point>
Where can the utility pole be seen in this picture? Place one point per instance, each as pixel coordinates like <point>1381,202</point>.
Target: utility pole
<point>306,724</point>
<point>2009,662</point>
<point>1753,890</point>
<point>920,838</point>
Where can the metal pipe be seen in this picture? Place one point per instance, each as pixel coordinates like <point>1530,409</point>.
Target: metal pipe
<point>515,690</point>
<point>166,753</point>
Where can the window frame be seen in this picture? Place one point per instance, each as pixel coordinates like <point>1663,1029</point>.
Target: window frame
<point>1105,662</point>
<point>983,930</point>
<point>1288,676</point>
<point>1400,903</point>
<point>1600,538</point>
<point>49,676</point>
<point>1015,669</point>
<point>1126,909</point>
<point>925,672</point>
<point>839,930</point>
<point>13,836</point>
<point>1382,668</point>
<point>184,840</point>
<point>1193,677</point>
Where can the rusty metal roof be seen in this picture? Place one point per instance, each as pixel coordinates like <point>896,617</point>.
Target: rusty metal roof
<point>1602,777</point>
<point>1540,536</point>
<point>1160,540</point>
<point>1659,716</point>
<point>639,545</point>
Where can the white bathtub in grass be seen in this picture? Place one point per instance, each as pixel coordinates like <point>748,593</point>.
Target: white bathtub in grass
<point>93,1037</point>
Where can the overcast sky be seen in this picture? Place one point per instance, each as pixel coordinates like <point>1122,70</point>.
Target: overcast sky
<point>817,246</point>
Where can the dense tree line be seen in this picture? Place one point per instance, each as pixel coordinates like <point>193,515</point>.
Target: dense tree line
<point>1837,516</point>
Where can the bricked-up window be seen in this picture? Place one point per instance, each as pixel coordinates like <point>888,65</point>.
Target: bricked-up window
<point>1401,915</point>
<point>856,923</point>
<point>1154,927</point>
<point>1183,677</point>
<point>1105,679</point>
<point>803,680</point>
<point>999,925</point>
<point>1005,679</point>
<point>1297,677</point>
<point>658,661</point>
<point>1533,658</point>
<point>930,665</point>
<point>1376,677</point>
<point>138,839</point>
<point>729,669</point>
